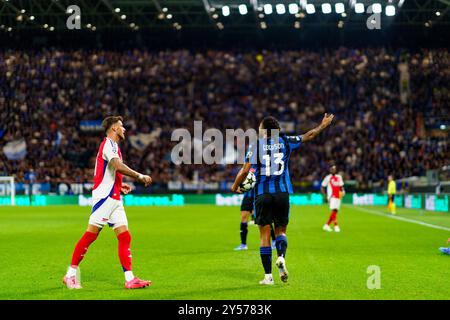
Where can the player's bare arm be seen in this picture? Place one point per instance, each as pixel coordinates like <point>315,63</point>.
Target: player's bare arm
<point>324,193</point>
<point>125,170</point>
<point>311,134</point>
<point>241,177</point>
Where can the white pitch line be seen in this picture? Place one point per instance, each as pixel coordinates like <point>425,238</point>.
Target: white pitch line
<point>380,213</point>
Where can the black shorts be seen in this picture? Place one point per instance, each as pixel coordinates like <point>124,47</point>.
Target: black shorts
<point>247,204</point>
<point>272,208</point>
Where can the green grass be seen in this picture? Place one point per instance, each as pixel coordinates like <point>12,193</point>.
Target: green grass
<point>187,253</point>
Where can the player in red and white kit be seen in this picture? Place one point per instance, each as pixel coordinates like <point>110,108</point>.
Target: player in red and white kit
<point>335,191</point>
<point>107,206</point>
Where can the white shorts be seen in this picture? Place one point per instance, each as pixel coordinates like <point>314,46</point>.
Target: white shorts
<point>110,211</point>
<point>335,203</point>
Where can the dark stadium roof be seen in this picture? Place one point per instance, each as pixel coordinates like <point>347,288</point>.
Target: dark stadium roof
<point>187,22</point>
<point>191,14</point>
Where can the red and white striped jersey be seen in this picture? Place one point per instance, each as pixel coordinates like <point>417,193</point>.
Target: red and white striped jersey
<point>107,182</point>
<point>333,183</point>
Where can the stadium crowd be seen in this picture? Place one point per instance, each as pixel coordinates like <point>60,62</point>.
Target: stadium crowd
<point>44,95</point>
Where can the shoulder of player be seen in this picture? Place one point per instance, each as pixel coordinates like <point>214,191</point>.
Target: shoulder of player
<point>110,147</point>
<point>112,143</point>
<point>293,139</point>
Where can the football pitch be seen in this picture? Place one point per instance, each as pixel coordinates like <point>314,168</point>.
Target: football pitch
<point>188,254</point>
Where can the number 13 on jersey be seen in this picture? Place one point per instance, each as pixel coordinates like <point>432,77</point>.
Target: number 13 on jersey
<point>278,164</point>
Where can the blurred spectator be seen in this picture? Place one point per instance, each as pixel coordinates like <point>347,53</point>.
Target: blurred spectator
<point>45,94</point>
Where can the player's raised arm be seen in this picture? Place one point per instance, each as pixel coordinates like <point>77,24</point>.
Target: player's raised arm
<point>125,170</point>
<point>311,134</point>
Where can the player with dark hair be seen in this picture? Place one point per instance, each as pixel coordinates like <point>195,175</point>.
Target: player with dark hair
<point>107,205</point>
<point>270,155</point>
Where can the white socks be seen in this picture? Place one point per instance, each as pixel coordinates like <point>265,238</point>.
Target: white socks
<point>72,272</point>
<point>129,275</point>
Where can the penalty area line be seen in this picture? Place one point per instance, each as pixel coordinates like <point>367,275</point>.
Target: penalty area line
<point>380,213</point>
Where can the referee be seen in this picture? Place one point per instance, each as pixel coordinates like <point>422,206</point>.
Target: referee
<point>392,190</point>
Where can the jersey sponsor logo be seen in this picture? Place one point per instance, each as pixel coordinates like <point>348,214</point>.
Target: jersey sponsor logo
<point>334,182</point>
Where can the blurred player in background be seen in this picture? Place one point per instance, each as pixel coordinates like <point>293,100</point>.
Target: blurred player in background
<point>446,250</point>
<point>392,190</point>
<point>333,195</point>
<point>107,205</point>
<point>271,156</point>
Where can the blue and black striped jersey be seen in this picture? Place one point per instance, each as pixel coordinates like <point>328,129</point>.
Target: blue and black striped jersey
<point>271,160</point>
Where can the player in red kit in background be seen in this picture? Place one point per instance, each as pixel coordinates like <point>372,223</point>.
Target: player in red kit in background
<point>335,191</point>
<point>107,206</point>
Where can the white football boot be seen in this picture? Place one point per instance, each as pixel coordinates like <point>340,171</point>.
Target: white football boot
<point>281,264</point>
<point>268,280</point>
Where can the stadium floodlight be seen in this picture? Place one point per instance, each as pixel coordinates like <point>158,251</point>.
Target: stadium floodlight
<point>117,10</point>
<point>438,13</point>
<point>326,8</point>
<point>310,9</point>
<point>339,7</point>
<point>376,8</point>
<point>123,17</point>
<point>359,8</point>
<point>243,9</point>
<point>281,9</point>
<point>31,18</point>
<point>225,11</point>
<point>293,8</point>
<point>268,8</point>
<point>390,10</point>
